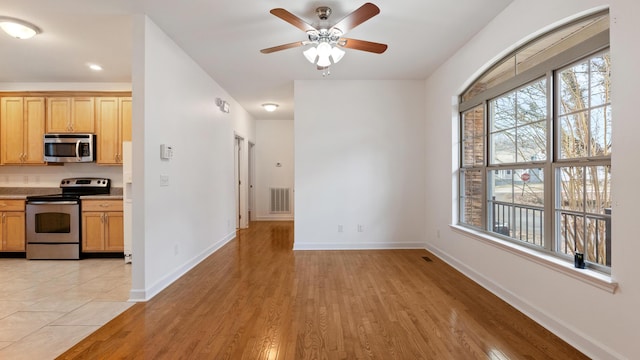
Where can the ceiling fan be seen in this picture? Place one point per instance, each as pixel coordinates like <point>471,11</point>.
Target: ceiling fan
<point>327,41</point>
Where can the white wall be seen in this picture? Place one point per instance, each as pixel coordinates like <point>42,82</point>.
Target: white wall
<point>176,226</point>
<point>274,144</point>
<point>601,324</point>
<point>359,162</point>
<point>50,176</point>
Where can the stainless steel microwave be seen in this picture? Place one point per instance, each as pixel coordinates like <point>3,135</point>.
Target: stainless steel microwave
<point>69,147</point>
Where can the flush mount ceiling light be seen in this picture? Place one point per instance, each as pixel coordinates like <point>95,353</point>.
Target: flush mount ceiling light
<point>94,67</point>
<point>17,28</point>
<point>270,107</point>
<point>326,41</point>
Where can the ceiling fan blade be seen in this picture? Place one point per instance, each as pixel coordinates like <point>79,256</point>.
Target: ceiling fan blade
<point>292,19</point>
<point>282,47</point>
<point>363,45</point>
<point>360,15</point>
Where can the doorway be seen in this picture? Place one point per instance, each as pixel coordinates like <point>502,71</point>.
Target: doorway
<point>243,177</point>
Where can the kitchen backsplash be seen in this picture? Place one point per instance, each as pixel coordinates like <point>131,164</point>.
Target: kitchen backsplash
<point>50,176</point>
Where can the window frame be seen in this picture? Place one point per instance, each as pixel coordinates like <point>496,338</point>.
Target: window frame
<point>546,69</point>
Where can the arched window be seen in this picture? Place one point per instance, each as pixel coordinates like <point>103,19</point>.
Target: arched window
<point>535,135</point>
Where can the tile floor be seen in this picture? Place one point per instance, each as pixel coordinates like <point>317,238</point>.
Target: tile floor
<point>48,306</point>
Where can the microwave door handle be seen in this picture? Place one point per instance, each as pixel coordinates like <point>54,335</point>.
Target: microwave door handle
<point>78,150</point>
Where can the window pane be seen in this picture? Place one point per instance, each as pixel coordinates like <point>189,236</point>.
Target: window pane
<point>473,137</point>
<point>517,204</point>
<point>598,189</point>
<point>598,241</point>
<point>499,74</point>
<point>532,142</point>
<point>532,102</point>
<point>558,41</point>
<point>471,200</point>
<point>600,80</point>
<point>574,136</point>
<point>574,88</point>
<point>585,212</point>
<point>601,131</point>
<point>537,52</point>
<point>503,147</point>
<point>571,233</point>
<point>503,112</point>
<point>572,188</point>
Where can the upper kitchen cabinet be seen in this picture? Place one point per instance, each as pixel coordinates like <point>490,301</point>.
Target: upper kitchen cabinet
<point>70,115</point>
<point>22,122</point>
<point>113,123</point>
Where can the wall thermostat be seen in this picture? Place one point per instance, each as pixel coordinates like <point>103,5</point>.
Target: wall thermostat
<point>166,151</point>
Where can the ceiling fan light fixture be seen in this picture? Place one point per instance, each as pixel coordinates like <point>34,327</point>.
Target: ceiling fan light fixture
<point>323,61</point>
<point>17,28</point>
<point>324,50</point>
<point>336,54</point>
<point>311,54</point>
<point>270,107</point>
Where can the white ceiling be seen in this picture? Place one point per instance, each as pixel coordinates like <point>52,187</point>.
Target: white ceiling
<point>225,37</point>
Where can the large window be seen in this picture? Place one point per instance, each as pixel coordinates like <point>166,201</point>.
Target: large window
<point>535,165</point>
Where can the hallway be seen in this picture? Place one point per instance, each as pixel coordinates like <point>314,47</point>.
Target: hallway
<point>255,298</point>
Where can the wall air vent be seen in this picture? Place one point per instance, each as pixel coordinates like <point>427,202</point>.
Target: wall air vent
<point>280,201</point>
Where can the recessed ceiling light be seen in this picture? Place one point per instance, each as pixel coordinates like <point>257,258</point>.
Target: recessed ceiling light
<point>95,67</point>
<point>17,28</point>
<point>270,107</point>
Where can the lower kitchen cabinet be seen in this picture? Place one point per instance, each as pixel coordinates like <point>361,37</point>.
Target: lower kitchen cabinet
<point>12,226</point>
<point>102,226</point>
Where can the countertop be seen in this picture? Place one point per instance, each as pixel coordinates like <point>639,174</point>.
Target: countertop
<point>21,193</point>
<point>101,197</point>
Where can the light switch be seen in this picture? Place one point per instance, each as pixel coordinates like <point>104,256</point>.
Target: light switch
<point>164,180</point>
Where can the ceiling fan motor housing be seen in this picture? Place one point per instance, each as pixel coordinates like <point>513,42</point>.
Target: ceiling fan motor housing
<point>323,12</point>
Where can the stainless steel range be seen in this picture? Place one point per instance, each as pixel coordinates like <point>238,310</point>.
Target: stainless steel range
<point>53,221</point>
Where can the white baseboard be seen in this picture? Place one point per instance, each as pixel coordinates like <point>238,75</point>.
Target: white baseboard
<point>274,218</point>
<point>141,295</point>
<point>358,246</point>
<point>589,346</point>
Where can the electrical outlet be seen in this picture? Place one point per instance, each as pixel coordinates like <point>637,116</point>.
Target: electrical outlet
<point>340,228</point>
<point>360,228</point>
<point>176,249</point>
<point>438,233</point>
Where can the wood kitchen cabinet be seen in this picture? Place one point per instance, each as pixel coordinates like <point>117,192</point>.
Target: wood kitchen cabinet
<point>12,226</point>
<point>102,226</point>
<point>71,114</point>
<point>22,121</point>
<point>113,124</point>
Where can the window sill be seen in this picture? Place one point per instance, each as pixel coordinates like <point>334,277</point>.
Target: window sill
<point>591,277</point>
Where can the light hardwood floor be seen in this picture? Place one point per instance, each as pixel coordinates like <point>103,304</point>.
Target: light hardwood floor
<point>257,299</point>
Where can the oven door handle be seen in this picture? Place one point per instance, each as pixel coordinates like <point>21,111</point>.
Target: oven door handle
<point>78,150</point>
<point>52,203</point>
